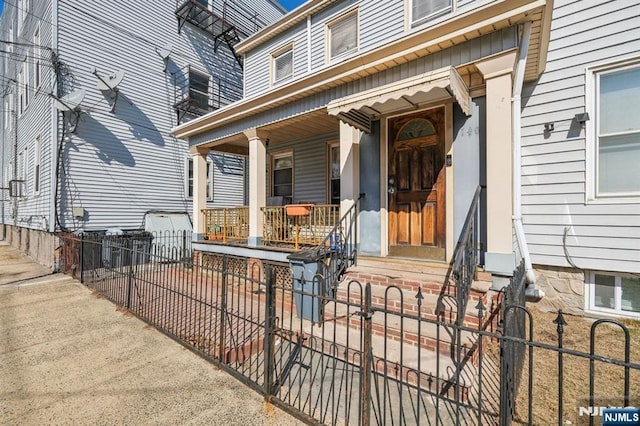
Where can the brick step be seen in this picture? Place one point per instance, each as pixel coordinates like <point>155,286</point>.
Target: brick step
<point>399,360</point>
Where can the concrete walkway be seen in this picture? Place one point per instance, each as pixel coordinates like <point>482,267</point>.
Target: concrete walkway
<point>69,357</point>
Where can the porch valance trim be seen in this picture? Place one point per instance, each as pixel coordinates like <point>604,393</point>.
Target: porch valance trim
<point>358,110</point>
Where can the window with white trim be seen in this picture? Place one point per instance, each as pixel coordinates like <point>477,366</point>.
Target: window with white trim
<point>21,90</point>
<point>188,187</point>
<point>282,64</point>
<point>36,58</point>
<point>21,16</point>
<point>282,176</point>
<point>36,166</point>
<point>616,134</point>
<point>423,10</point>
<point>614,294</point>
<point>343,35</point>
<point>199,88</point>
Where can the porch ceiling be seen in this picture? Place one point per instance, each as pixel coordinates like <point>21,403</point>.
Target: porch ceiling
<point>303,126</point>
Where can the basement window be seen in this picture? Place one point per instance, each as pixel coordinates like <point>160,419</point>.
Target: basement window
<point>617,294</point>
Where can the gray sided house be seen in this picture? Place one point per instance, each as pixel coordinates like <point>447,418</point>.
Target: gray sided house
<point>501,131</point>
<point>90,92</point>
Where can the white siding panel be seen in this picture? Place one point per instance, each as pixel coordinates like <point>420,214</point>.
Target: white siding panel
<point>603,236</point>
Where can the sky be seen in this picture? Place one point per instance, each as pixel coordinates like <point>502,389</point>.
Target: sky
<point>288,4</point>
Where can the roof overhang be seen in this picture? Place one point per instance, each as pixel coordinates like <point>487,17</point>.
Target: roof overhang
<point>440,85</point>
<point>484,20</point>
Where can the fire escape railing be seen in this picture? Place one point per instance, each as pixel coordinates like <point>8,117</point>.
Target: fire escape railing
<point>194,100</point>
<point>226,22</point>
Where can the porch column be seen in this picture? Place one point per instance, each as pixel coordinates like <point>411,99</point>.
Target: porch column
<point>349,166</point>
<point>257,185</point>
<point>200,183</point>
<point>497,73</point>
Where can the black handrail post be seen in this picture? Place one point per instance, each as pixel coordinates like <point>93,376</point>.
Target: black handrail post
<point>269,330</point>
<point>560,323</point>
<point>129,247</point>
<point>223,309</point>
<point>365,372</point>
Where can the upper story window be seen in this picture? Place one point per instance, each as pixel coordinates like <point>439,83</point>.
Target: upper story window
<point>198,88</point>
<point>36,166</point>
<point>616,133</point>
<point>282,64</point>
<point>423,10</point>
<point>342,35</point>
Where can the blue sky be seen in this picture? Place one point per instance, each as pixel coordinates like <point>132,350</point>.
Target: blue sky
<point>288,4</point>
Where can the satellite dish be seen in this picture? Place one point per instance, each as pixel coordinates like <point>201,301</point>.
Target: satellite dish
<point>70,102</point>
<point>165,51</point>
<point>164,54</point>
<point>109,84</point>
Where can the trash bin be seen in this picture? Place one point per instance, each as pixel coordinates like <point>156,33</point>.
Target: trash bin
<point>123,248</point>
<point>304,267</point>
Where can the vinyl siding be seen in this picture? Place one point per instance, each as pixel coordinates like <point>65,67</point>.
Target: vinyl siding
<point>120,164</point>
<point>463,53</point>
<point>380,22</point>
<point>309,167</point>
<point>599,236</point>
<point>33,209</point>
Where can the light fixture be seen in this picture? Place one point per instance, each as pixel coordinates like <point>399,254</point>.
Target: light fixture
<point>582,118</point>
<point>549,127</point>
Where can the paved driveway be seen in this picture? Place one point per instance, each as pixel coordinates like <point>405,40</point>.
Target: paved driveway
<point>69,357</point>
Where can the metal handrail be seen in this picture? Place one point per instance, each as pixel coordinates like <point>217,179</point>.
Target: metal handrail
<point>465,257</point>
<point>338,249</point>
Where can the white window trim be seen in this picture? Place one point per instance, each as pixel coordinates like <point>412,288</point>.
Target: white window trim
<point>411,24</point>
<point>330,145</point>
<point>591,129</point>
<point>327,35</point>
<point>590,294</point>
<point>37,51</point>
<point>186,178</point>
<point>282,50</point>
<point>203,73</point>
<point>282,154</point>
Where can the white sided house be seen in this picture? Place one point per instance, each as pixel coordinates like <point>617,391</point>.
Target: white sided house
<point>90,92</point>
<point>459,133</point>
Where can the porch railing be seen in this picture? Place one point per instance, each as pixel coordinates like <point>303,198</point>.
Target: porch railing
<point>227,223</point>
<point>306,230</point>
<point>465,257</point>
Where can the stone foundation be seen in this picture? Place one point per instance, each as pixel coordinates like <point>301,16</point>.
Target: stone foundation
<point>564,289</point>
<point>39,245</point>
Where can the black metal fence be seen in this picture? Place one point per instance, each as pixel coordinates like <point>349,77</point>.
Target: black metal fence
<point>374,356</point>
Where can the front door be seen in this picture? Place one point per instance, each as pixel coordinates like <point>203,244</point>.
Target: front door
<point>417,185</point>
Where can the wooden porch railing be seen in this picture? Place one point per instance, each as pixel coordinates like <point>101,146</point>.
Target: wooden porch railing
<point>311,229</point>
<point>227,223</point>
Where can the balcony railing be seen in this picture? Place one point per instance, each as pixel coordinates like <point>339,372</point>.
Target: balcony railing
<point>226,224</point>
<point>197,94</point>
<point>299,228</point>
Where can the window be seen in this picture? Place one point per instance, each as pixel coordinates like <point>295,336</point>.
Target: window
<point>282,64</point>
<point>334,173</point>
<point>21,90</point>
<point>617,132</point>
<point>36,166</point>
<point>7,115</point>
<point>199,88</point>
<point>282,176</point>
<point>343,35</point>
<point>617,294</point>
<point>189,180</point>
<point>21,16</point>
<point>36,58</point>
<point>423,10</point>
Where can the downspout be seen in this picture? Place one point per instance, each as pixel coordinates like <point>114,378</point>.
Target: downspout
<point>532,293</point>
